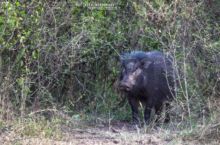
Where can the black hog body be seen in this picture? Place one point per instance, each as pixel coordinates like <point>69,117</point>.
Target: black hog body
<point>147,77</point>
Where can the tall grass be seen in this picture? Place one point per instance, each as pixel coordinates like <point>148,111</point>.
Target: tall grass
<point>64,55</point>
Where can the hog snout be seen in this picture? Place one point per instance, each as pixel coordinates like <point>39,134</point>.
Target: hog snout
<point>124,86</point>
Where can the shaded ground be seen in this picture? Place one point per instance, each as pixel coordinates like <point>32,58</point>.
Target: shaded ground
<point>114,133</point>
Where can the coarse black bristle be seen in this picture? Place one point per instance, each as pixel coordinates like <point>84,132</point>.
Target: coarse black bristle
<point>138,55</point>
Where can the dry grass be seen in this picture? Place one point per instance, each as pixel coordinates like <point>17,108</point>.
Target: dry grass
<point>60,130</point>
<point>183,28</point>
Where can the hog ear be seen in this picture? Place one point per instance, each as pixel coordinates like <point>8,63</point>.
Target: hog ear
<point>145,63</point>
<point>122,57</point>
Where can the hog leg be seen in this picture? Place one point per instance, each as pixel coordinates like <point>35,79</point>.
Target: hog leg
<point>134,103</point>
<point>147,111</point>
<point>158,111</point>
<point>167,110</point>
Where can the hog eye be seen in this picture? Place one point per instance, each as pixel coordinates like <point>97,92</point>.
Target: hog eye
<point>137,72</point>
<point>130,66</point>
<point>123,70</point>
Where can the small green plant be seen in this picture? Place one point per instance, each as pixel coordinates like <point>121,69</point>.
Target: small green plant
<point>32,127</point>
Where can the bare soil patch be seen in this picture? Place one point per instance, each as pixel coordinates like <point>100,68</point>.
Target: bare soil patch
<point>114,133</point>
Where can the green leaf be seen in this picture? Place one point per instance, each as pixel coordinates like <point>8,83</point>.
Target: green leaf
<point>20,81</point>
<point>20,55</point>
<point>17,4</point>
<point>35,54</point>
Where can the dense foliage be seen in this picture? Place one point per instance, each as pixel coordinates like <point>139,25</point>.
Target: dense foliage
<point>64,54</point>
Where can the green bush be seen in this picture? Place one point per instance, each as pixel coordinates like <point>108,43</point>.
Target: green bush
<point>63,53</point>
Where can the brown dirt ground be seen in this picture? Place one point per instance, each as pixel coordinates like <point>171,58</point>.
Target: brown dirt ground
<point>116,133</point>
